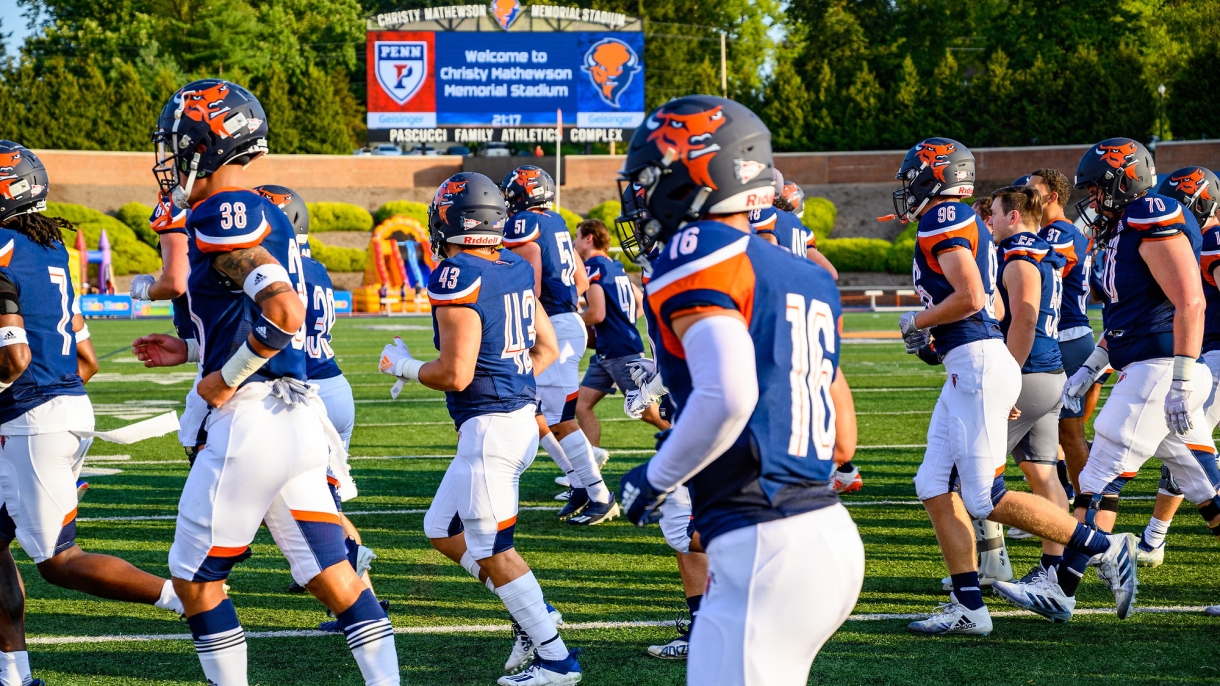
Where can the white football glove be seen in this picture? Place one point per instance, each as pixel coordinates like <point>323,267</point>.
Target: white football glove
<point>914,337</point>
<point>1177,400</point>
<point>651,388</point>
<point>139,286</point>
<point>641,370</point>
<point>1084,378</point>
<point>396,360</point>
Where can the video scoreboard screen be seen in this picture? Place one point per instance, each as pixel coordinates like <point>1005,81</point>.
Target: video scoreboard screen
<point>499,73</point>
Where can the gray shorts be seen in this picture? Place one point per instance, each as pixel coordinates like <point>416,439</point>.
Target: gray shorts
<point>606,373</point>
<point>1034,436</point>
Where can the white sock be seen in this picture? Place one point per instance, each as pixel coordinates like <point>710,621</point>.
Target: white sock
<point>576,446</point>
<point>551,445</point>
<point>223,657</point>
<point>523,598</point>
<point>169,599</point>
<point>10,669</point>
<point>1154,534</point>
<point>472,565</point>
<point>371,639</point>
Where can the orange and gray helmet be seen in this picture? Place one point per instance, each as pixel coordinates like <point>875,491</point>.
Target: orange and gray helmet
<point>23,181</point>
<point>934,167</point>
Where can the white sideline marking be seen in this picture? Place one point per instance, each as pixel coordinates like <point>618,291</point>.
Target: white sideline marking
<point>107,458</point>
<point>568,626</point>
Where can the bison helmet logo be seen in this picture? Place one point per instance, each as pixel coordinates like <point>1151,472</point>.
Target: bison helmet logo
<point>207,106</point>
<point>936,156</point>
<point>9,160</point>
<point>1192,184</point>
<point>1118,155</point>
<point>505,12</point>
<point>689,136</point>
<point>527,179</point>
<point>280,200</point>
<point>444,197</point>
<point>611,64</point>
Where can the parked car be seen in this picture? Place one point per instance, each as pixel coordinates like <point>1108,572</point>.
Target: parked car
<point>494,149</point>
<point>386,149</point>
<point>422,149</point>
<point>458,150</point>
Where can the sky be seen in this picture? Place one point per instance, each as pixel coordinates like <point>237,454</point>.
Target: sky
<point>13,23</point>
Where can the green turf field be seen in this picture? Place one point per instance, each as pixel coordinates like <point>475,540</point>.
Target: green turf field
<point>615,573</point>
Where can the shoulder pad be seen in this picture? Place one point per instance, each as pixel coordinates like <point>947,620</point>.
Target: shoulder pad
<point>166,218</point>
<point>522,228</point>
<point>455,282</point>
<point>708,247</point>
<point>1209,256</point>
<point>1156,215</point>
<point>7,248</point>
<point>228,221</point>
<point>763,219</point>
<point>947,226</point>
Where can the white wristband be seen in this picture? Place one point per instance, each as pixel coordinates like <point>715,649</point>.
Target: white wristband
<point>192,350</point>
<point>263,276</point>
<point>12,335</point>
<point>1098,359</point>
<point>410,370</point>
<point>241,366</point>
<point>83,334</point>
<point>1183,367</point>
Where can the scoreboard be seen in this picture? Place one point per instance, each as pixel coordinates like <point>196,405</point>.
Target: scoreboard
<point>469,74</point>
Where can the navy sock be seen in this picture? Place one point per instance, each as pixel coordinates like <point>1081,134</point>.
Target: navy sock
<point>692,604</point>
<point>846,467</point>
<point>1088,540</point>
<point>1071,570</point>
<point>966,590</point>
<point>1049,561</point>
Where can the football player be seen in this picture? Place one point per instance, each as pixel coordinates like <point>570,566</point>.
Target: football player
<point>749,348</point>
<point>45,359</point>
<point>614,304</point>
<point>954,272</point>
<point>781,224</point>
<point>266,454</point>
<point>540,235</point>
<point>1031,289</point>
<point>1197,189</point>
<point>492,337</point>
<point>323,372</point>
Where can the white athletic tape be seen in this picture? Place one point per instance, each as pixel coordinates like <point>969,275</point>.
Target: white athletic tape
<point>134,433</point>
<point>568,626</point>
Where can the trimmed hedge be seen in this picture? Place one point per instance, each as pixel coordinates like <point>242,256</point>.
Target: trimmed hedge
<point>130,254</point>
<point>857,254</point>
<point>337,259</point>
<point>135,215</point>
<point>338,216</point>
<point>819,217</point>
<point>570,218</point>
<point>405,208</point>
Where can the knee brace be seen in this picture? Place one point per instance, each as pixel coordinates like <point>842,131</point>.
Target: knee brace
<point>1167,485</point>
<point>1209,510</point>
<point>1094,502</point>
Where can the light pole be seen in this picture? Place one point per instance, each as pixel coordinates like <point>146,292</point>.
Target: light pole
<point>1160,119</point>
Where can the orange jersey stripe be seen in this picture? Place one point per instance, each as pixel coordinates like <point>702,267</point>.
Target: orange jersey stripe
<point>1207,262</point>
<point>307,516</point>
<point>205,246</point>
<point>733,276</point>
<point>6,253</point>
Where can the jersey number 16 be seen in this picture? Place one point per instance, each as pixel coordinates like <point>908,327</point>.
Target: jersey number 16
<point>813,412</point>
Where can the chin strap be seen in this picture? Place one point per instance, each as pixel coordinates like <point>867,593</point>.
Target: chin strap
<point>181,195</point>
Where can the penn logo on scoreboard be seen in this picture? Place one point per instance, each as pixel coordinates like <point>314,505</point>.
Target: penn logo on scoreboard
<point>402,68</point>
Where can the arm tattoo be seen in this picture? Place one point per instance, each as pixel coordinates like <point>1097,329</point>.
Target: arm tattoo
<point>273,289</point>
<point>238,264</point>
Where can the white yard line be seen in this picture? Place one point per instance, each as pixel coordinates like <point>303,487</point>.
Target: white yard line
<point>568,626</point>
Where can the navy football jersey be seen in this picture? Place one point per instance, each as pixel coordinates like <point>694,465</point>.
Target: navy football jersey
<point>786,227</point>
<point>1073,245</point>
<point>1138,316</point>
<point>319,320</point>
<point>954,226</point>
<point>501,291</point>
<point>1209,257</point>
<point>166,218</point>
<point>1028,247</point>
<point>616,334</point>
<point>780,465</point>
<point>44,289</point>
<point>548,230</point>
<point>183,325</point>
<point>223,314</point>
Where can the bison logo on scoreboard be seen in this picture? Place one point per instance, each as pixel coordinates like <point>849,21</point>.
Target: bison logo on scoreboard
<point>611,64</point>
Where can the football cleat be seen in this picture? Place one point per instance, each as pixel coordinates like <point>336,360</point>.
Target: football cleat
<point>953,618</point>
<point>1029,577</point>
<point>577,502</point>
<point>1017,534</point>
<point>846,482</point>
<point>294,587</point>
<point>555,615</point>
<point>565,496</point>
<point>81,487</point>
<point>1212,610</point>
<point>601,455</point>
<point>364,559</point>
<point>1042,595</point>
<point>1147,556</point>
<point>37,682</point>
<point>596,513</point>
<point>522,652</point>
<point>563,481</point>
<point>1117,568</point>
<point>676,649</point>
<point>546,672</point>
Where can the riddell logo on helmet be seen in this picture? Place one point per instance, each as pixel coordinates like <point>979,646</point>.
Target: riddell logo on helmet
<point>444,197</point>
<point>936,156</point>
<point>480,240</point>
<point>765,197</point>
<point>1191,184</point>
<point>207,106</point>
<point>1118,155</point>
<point>689,136</point>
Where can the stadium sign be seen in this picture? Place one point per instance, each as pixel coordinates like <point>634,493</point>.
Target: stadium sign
<point>431,81</point>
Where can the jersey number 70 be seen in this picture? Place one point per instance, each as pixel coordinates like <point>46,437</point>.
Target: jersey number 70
<point>813,412</point>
